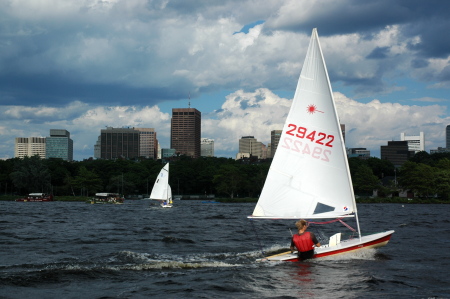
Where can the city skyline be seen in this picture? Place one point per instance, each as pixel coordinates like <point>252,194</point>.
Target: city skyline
<point>83,66</point>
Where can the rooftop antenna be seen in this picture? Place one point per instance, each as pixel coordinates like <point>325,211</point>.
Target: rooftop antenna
<point>189,104</point>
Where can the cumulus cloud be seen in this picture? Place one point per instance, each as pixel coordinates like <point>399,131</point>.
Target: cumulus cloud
<point>374,124</point>
<point>368,125</point>
<point>246,114</point>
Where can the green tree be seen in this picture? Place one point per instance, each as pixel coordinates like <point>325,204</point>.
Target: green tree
<point>123,184</point>
<point>442,183</point>
<point>364,180</point>
<point>6,168</point>
<point>418,177</point>
<point>87,181</point>
<point>380,168</point>
<point>31,175</point>
<point>422,157</point>
<point>228,180</point>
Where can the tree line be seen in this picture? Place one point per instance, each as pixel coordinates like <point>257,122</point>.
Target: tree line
<point>426,175</point>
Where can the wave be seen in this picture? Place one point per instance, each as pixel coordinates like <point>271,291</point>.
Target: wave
<point>170,239</point>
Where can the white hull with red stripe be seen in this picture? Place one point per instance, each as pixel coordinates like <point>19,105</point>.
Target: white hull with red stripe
<point>351,245</point>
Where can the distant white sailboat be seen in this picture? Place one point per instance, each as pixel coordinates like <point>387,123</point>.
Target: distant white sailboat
<point>161,189</point>
<point>309,177</point>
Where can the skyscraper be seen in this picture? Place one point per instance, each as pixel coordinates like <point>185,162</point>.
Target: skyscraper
<point>274,140</point>
<point>185,131</point>
<point>119,143</point>
<point>343,131</point>
<point>447,137</point>
<point>59,145</point>
<point>415,143</point>
<point>148,143</point>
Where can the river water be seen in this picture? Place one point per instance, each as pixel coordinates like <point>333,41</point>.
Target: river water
<point>208,250</point>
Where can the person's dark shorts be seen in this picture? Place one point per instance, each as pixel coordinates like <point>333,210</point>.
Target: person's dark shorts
<point>306,255</point>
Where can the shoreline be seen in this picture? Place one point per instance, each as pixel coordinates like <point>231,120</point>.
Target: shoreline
<point>398,200</point>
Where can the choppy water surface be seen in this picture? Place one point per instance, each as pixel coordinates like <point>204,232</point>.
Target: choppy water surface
<point>208,250</point>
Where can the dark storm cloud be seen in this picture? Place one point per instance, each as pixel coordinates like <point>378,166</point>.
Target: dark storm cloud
<point>427,19</point>
<point>379,53</point>
<point>423,24</point>
<point>142,55</point>
<point>419,63</point>
<point>56,90</point>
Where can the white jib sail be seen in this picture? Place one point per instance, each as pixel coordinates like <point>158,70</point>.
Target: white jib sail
<point>161,187</point>
<point>309,175</point>
<point>169,193</point>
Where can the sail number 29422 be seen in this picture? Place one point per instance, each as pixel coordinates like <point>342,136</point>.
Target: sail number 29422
<point>313,136</point>
<point>320,141</point>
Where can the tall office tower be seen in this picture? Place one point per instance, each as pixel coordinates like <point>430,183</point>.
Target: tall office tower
<point>97,148</point>
<point>29,146</point>
<point>159,152</point>
<point>186,132</point>
<point>264,151</point>
<point>119,143</point>
<point>207,147</point>
<point>274,140</point>
<point>415,143</point>
<point>148,143</point>
<point>447,137</point>
<point>249,145</point>
<point>59,145</point>
<point>397,152</point>
<point>343,131</point>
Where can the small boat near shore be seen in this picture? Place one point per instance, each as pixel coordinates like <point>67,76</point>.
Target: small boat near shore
<point>37,197</point>
<point>107,198</point>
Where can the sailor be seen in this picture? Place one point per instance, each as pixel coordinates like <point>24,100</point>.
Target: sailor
<point>304,241</point>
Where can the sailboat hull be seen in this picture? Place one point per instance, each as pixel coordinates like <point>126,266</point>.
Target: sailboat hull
<point>366,242</point>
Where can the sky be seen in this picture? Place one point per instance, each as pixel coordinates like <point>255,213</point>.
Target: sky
<point>89,64</point>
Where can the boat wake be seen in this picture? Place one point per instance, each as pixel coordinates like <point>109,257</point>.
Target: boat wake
<point>29,274</point>
<point>145,261</point>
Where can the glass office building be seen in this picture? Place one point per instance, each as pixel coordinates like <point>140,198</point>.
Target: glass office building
<point>59,145</point>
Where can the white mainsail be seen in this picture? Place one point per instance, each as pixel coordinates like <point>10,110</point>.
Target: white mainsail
<point>161,187</point>
<point>309,175</point>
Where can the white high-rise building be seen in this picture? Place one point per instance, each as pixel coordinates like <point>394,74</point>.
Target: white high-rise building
<point>249,145</point>
<point>415,143</point>
<point>29,146</point>
<point>206,147</point>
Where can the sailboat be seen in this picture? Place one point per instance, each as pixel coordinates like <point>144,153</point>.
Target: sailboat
<point>161,189</point>
<point>309,177</point>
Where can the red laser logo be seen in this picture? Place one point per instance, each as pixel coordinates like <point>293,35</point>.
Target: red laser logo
<point>312,109</point>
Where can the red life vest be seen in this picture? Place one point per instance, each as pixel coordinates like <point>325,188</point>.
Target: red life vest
<point>303,242</point>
